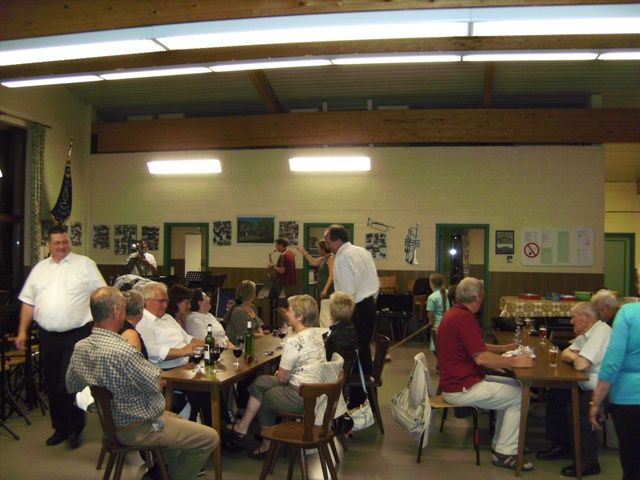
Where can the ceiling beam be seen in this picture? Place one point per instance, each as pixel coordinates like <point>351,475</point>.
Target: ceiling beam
<point>268,95</point>
<point>394,127</point>
<point>227,54</point>
<point>39,18</point>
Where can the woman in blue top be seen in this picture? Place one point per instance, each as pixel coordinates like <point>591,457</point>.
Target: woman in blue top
<point>619,376</point>
<point>437,304</point>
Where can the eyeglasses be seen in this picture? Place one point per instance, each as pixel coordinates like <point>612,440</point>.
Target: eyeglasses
<point>161,300</point>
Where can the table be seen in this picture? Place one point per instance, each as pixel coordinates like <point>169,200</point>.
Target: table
<point>183,378</point>
<point>543,375</point>
<point>513,306</point>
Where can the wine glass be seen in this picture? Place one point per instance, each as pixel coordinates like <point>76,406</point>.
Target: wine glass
<point>222,348</point>
<point>542,330</point>
<point>283,333</point>
<point>240,340</point>
<point>215,356</point>
<point>196,357</point>
<point>237,352</point>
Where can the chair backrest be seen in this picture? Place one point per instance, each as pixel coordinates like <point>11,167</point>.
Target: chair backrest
<point>419,306</point>
<point>349,357</point>
<point>310,392</point>
<point>421,360</point>
<point>421,287</point>
<point>388,284</point>
<point>102,397</point>
<point>380,357</point>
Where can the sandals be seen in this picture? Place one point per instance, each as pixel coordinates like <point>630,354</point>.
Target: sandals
<point>257,454</point>
<point>233,438</point>
<point>509,461</point>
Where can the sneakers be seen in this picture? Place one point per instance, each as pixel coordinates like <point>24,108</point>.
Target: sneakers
<point>509,461</point>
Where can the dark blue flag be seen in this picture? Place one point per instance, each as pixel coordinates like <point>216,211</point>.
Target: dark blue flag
<point>62,209</point>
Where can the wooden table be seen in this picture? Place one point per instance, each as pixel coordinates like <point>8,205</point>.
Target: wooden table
<point>183,378</point>
<point>543,375</point>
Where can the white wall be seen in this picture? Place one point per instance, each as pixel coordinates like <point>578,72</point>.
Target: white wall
<point>508,188</point>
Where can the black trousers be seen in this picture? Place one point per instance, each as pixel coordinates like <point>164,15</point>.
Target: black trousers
<point>626,419</point>
<point>560,422</point>
<point>363,320</point>
<point>56,349</point>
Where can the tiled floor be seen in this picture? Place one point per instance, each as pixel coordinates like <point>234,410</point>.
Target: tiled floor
<point>371,456</point>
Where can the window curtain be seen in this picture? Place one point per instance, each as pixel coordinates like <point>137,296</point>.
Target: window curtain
<point>465,253</point>
<point>37,174</point>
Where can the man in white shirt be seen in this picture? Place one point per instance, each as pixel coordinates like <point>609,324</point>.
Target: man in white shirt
<point>144,264</point>
<point>168,345</point>
<point>56,295</point>
<point>354,272</point>
<point>586,354</point>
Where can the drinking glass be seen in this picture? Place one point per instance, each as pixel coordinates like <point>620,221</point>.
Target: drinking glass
<point>215,356</point>
<point>543,334</point>
<point>197,357</point>
<point>240,340</point>
<point>237,352</point>
<point>283,333</point>
<point>554,353</point>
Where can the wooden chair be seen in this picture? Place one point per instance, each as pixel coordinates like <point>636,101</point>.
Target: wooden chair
<point>301,436</point>
<point>389,284</point>
<point>420,314</point>
<point>438,402</point>
<point>110,444</point>
<point>373,381</point>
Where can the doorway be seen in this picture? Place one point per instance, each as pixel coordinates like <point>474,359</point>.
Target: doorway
<point>462,250</point>
<point>619,263</point>
<point>313,233</point>
<point>181,242</point>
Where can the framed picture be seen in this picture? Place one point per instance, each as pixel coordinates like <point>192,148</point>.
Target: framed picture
<point>256,230</point>
<point>504,242</point>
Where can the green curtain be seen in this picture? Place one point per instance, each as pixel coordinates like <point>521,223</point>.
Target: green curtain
<point>37,174</point>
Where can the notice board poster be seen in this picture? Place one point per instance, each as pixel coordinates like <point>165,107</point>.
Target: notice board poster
<point>557,247</point>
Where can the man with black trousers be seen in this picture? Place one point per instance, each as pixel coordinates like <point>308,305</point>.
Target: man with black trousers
<point>56,295</point>
<point>354,272</point>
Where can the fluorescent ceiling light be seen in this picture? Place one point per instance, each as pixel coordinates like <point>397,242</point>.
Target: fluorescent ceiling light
<point>529,57</point>
<point>70,52</point>
<point>379,30</point>
<point>620,56</point>
<point>175,167</point>
<point>384,59</point>
<point>584,26</point>
<point>161,72</point>
<point>329,164</point>
<point>38,82</point>
<point>263,65</point>
<point>0,173</point>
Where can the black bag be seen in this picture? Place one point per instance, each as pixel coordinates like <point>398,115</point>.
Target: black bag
<point>507,324</point>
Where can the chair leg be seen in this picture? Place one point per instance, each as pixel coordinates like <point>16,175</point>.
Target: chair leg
<point>101,458</point>
<point>476,436</point>
<point>292,462</point>
<point>330,465</point>
<point>373,398</point>
<point>13,434</point>
<point>159,460</point>
<point>444,417</point>
<point>334,450</point>
<point>323,462</point>
<point>107,471</point>
<point>119,466</point>
<point>420,446</point>
<point>267,462</point>
<point>304,468</point>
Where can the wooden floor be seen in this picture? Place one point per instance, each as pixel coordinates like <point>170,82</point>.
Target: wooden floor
<point>371,456</point>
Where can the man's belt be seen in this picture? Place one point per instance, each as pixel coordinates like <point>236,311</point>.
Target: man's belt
<point>131,426</point>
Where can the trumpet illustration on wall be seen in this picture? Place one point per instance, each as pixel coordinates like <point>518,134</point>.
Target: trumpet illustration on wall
<point>411,244</point>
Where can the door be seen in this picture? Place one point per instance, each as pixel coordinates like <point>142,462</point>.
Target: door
<point>313,233</point>
<point>463,250</point>
<point>193,253</point>
<point>619,262</point>
<point>175,237</point>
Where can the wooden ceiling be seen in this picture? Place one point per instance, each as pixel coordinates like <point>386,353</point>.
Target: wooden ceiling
<point>445,103</point>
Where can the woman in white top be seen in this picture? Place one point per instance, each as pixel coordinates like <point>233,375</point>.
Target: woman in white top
<point>200,318</point>
<point>300,363</point>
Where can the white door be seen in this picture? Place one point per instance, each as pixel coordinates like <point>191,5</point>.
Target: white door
<point>192,253</point>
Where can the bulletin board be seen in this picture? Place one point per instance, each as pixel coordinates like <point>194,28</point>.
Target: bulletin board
<point>555,247</point>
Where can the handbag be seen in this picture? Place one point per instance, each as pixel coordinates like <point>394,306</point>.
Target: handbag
<point>411,408</point>
<point>362,415</point>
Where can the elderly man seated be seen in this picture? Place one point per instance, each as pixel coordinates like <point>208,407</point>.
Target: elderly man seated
<point>606,304</point>
<point>463,358</point>
<point>586,354</point>
<point>168,345</point>
<point>106,359</point>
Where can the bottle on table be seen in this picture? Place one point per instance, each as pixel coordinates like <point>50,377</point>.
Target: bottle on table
<point>249,343</point>
<point>209,343</point>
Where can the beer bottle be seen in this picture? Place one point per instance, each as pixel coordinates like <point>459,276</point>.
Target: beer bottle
<point>248,343</point>
<point>209,343</point>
